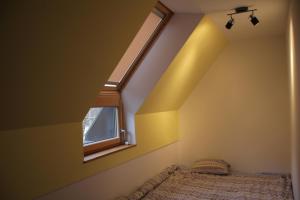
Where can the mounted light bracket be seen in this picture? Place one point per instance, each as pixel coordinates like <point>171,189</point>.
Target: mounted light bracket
<point>239,10</point>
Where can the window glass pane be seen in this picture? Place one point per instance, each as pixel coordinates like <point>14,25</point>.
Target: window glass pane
<point>136,46</point>
<point>100,124</point>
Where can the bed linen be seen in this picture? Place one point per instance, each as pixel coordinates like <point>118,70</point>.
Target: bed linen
<point>182,184</point>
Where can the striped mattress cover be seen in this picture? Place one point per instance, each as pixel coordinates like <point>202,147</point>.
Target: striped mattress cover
<point>177,183</point>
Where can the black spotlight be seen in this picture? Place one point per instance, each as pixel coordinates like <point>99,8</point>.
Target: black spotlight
<point>230,23</point>
<point>253,20</point>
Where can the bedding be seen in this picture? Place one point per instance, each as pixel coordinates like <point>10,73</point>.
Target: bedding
<point>182,184</point>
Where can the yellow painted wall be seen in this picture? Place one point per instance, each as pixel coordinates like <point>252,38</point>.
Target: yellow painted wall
<point>38,160</point>
<point>158,114</point>
<point>41,159</point>
<point>239,111</point>
<point>54,58</point>
<point>156,129</point>
<point>188,67</point>
<point>120,180</point>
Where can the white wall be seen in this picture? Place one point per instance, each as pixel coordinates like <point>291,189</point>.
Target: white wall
<point>120,180</point>
<point>294,51</point>
<point>239,111</point>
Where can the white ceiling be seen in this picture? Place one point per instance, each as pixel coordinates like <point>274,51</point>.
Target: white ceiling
<point>272,15</point>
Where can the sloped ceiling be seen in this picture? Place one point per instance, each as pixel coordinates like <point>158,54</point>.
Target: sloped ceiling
<point>197,55</point>
<point>188,67</point>
<point>271,13</point>
<point>55,56</point>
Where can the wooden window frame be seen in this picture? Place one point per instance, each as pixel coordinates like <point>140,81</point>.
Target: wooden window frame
<point>108,99</point>
<point>133,67</point>
<point>111,96</point>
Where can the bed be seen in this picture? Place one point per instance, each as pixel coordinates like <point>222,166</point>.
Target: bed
<point>180,183</point>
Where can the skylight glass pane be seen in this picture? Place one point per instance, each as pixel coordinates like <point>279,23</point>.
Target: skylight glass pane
<point>100,124</point>
<point>136,46</point>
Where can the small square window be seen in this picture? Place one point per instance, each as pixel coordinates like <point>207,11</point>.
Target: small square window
<point>100,124</point>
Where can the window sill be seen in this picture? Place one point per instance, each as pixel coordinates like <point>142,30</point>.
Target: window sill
<point>106,152</point>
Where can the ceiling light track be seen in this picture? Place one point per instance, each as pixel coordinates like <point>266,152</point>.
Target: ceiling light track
<point>239,10</point>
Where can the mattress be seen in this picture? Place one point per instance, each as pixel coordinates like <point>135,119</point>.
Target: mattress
<point>177,183</point>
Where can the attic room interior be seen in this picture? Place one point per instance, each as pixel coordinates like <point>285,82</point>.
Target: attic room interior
<point>150,100</point>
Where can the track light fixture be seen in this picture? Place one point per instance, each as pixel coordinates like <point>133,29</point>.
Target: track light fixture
<point>240,10</point>
<point>230,23</point>
<point>253,19</point>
